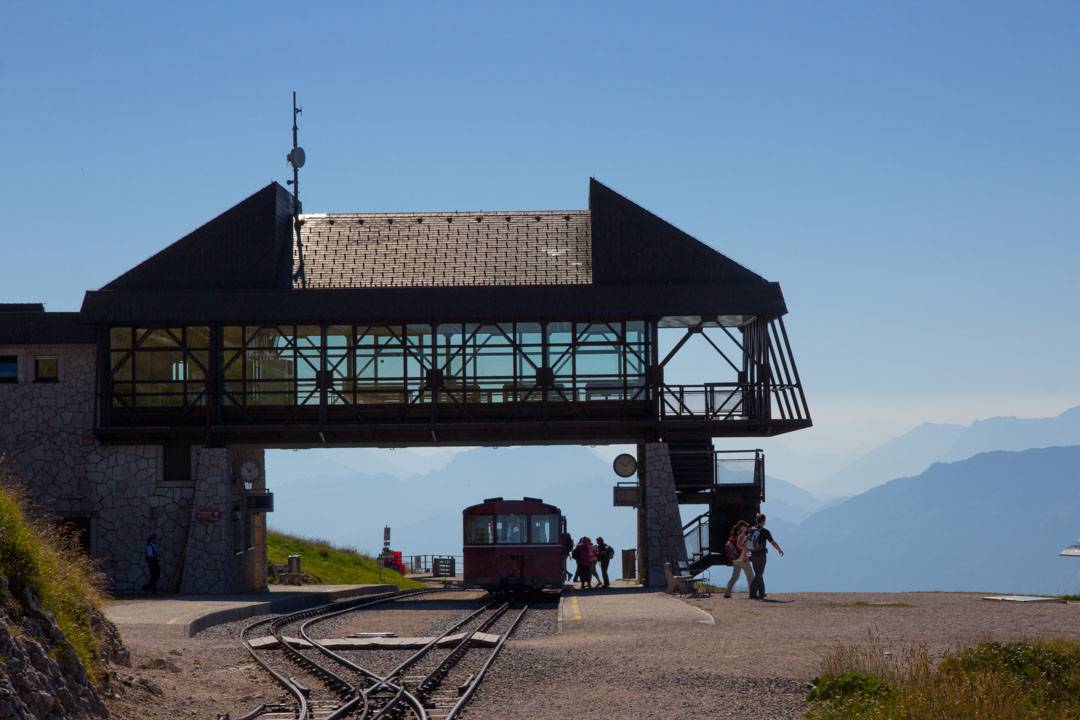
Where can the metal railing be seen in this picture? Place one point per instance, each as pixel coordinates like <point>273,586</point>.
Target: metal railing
<point>696,536</point>
<point>740,467</point>
<point>731,401</point>
<point>426,563</point>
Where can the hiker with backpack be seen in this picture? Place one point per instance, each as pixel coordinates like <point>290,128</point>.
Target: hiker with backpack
<point>736,551</point>
<point>755,543</point>
<point>604,553</point>
<point>585,555</point>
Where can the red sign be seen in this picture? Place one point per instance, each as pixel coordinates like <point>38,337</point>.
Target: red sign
<point>207,514</point>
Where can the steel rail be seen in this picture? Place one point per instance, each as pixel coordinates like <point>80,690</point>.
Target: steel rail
<point>384,681</point>
<point>435,677</point>
<point>275,626</point>
<point>474,682</point>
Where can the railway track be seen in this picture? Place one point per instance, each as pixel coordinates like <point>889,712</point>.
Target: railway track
<point>433,683</point>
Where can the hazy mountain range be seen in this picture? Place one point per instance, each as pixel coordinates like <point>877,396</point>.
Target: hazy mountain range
<point>994,522</point>
<point>915,451</point>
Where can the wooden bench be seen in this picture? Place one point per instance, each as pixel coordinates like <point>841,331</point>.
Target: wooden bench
<point>677,584</point>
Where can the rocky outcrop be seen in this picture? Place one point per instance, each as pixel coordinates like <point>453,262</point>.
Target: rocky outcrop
<point>41,677</point>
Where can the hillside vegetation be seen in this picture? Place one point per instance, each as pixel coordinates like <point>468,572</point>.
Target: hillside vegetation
<point>35,558</point>
<point>1020,681</point>
<point>332,565</point>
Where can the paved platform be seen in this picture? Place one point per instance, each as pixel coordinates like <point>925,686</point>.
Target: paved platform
<point>185,615</point>
<point>623,604</point>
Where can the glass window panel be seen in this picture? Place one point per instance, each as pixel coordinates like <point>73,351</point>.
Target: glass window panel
<point>121,361</point>
<point>269,365</point>
<point>120,337</point>
<point>232,336</point>
<point>478,530</point>
<point>544,529</point>
<point>158,365</point>
<point>234,393</point>
<point>198,337</point>
<point>309,336</point>
<point>598,332</point>
<point>528,333</point>
<point>197,361</point>
<point>561,333</point>
<point>233,364</point>
<point>511,529</point>
<point>9,368</point>
<point>497,364</point>
<point>194,391</point>
<point>598,361</point>
<point>158,338</point>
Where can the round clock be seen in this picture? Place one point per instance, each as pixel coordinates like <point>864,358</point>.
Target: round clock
<point>625,465</point>
<point>250,471</point>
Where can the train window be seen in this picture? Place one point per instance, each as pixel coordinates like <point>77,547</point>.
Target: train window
<point>478,530</point>
<point>512,528</point>
<point>544,528</point>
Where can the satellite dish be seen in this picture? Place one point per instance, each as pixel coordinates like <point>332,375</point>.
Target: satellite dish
<point>297,157</point>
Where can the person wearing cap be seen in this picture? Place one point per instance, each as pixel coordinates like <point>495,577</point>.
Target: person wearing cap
<point>604,553</point>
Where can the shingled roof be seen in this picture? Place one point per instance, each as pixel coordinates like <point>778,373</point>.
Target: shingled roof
<point>614,259</point>
<point>367,250</point>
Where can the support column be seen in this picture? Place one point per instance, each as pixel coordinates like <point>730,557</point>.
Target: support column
<point>660,538</point>
<point>208,558</point>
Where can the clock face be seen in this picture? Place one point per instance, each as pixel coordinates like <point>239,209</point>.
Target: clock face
<point>250,471</point>
<point>625,465</point>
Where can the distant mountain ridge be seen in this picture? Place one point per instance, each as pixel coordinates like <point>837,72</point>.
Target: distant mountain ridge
<point>993,522</point>
<point>918,449</point>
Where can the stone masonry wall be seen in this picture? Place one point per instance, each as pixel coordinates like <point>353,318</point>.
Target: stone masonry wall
<point>48,446</point>
<point>663,524</point>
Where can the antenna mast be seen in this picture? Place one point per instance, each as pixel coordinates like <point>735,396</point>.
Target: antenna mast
<point>296,158</point>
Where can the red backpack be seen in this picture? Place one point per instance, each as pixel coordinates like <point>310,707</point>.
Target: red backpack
<point>731,549</point>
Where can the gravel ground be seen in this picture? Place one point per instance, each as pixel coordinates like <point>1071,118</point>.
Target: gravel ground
<point>755,661</point>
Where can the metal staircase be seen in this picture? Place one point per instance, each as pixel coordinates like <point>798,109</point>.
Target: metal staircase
<point>731,482</point>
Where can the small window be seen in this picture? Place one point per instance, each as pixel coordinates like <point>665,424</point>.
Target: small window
<point>544,529</point>
<point>176,463</point>
<point>478,530</point>
<point>9,368</point>
<point>512,528</point>
<point>46,370</point>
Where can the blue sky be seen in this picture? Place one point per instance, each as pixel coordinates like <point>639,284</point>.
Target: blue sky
<point>909,172</point>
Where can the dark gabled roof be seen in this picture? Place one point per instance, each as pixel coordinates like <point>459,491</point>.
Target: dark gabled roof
<point>43,328</point>
<point>614,259</point>
<point>359,250</point>
<point>632,245</point>
<point>22,307</point>
<point>247,246</point>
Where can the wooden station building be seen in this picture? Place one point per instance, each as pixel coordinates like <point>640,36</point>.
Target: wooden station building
<point>147,412</point>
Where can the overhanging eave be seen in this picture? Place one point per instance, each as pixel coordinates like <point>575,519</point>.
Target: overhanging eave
<point>525,303</point>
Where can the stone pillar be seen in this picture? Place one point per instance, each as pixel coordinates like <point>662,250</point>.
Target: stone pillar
<point>208,560</point>
<point>663,538</point>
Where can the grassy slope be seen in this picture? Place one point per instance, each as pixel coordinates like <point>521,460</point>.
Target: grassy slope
<point>33,555</point>
<point>332,565</point>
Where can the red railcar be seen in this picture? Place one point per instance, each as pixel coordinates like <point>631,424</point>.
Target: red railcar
<point>513,545</point>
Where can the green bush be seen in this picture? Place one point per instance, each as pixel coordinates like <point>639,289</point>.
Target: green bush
<point>990,680</point>
<point>332,565</point>
<point>35,556</point>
